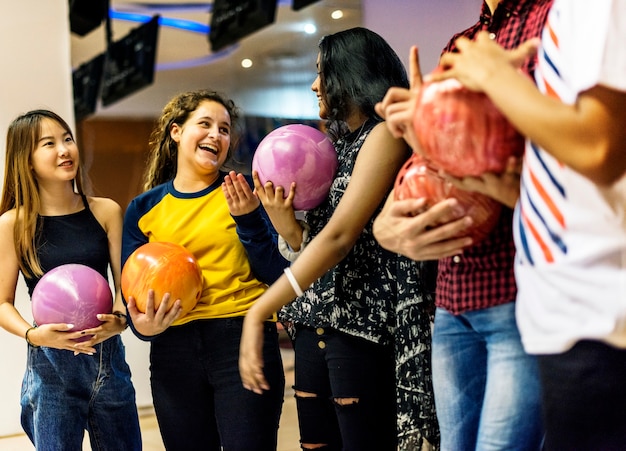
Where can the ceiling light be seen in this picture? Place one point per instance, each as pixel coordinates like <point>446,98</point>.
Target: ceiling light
<point>310,28</point>
<point>246,63</point>
<point>337,14</point>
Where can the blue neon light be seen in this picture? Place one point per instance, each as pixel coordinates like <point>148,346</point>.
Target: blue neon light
<point>181,24</point>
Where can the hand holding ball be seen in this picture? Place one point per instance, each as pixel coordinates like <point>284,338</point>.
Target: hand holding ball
<point>164,268</point>
<point>417,179</point>
<point>297,153</point>
<point>71,294</point>
<point>461,131</point>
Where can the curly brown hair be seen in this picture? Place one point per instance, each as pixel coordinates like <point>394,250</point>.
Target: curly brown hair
<point>162,161</point>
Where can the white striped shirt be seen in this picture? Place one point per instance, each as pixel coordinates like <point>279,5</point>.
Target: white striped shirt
<point>570,234</point>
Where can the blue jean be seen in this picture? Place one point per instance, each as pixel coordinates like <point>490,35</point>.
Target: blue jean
<point>199,400</point>
<point>487,389</point>
<point>330,365</point>
<point>63,395</point>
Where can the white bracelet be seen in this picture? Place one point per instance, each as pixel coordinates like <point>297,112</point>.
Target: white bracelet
<point>293,282</point>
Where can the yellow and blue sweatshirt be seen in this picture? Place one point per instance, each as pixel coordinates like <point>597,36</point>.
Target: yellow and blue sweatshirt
<point>238,256</point>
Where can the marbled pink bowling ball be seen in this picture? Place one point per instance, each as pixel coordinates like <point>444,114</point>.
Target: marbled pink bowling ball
<point>72,294</point>
<point>297,153</point>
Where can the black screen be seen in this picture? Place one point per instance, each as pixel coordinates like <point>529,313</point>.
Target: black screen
<point>129,65</point>
<point>299,4</point>
<point>232,20</point>
<point>86,82</point>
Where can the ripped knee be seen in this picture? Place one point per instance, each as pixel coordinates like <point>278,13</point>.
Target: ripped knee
<point>317,420</point>
<point>304,394</point>
<point>346,401</point>
<point>316,447</point>
<point>338,401</point>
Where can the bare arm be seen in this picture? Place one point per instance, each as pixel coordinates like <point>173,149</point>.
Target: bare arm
<point>51,335</point>
<point>10,319</point>
<point>373,174</point>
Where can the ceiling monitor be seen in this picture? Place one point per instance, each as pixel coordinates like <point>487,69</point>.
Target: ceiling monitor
<point>297,5</point>
<point>86,83</point>
<point>232,20</point>
<point>87,15</point>
<point>129,63</point>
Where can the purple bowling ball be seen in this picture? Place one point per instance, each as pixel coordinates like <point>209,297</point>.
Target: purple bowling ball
<point>297,153</point>
<point>72,294</point>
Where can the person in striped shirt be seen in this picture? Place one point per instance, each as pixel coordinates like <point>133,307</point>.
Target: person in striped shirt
<point>570,220</point>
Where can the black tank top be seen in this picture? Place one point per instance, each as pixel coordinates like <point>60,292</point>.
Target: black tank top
<point>74,238</point>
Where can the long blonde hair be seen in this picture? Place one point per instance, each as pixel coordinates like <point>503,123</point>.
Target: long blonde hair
<point>20,190</point>
<point>163,159</point>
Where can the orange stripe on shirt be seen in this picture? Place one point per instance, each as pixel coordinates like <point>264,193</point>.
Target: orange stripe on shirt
<point>542,244</point>
<point>547,199</point>
<point>553,35</point>
<point>550,92</point>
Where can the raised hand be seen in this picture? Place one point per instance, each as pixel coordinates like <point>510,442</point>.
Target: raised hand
<point>280,209</point>
<point>239,195</point>
<point>398,105</point>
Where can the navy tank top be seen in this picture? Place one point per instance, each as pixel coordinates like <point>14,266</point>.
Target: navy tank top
<point>74,238</point>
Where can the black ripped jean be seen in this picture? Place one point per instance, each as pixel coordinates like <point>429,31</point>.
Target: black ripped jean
<point>333,365</point>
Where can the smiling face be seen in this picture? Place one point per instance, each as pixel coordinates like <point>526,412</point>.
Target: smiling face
<point>55,157</point>
<point>203,139</point>
<point>316,87</point>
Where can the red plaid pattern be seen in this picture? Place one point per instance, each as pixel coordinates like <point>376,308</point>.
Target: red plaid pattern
<point>483,276</point>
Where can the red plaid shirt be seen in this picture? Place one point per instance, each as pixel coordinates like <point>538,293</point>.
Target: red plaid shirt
<point>483,276</point>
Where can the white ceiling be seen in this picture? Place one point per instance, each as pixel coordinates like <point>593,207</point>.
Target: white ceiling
<point>283,57</point>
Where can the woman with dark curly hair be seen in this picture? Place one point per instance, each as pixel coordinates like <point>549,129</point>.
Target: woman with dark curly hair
<point>198,397</point>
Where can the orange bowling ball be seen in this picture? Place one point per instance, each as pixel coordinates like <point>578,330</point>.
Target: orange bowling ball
<point>164,268</point>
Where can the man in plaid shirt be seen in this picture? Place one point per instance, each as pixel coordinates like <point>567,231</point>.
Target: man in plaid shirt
<point>487,391</point>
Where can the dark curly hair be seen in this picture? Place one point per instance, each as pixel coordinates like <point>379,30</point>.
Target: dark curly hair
<point>162,161</point>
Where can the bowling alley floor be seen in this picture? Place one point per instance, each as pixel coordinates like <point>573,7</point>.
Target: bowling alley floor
<point>287,434</point>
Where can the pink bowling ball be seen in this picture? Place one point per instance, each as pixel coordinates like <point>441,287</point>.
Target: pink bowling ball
<point>297,153</point>
<point>72,294</point>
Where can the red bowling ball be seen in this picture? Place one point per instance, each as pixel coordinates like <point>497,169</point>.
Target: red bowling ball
<point>418,179</point>
<point>463,132</point>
